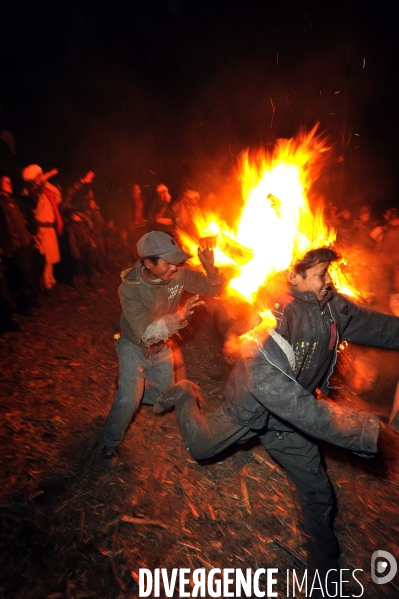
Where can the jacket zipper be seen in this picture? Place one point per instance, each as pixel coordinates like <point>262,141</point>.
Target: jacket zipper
<point>278,368</point>
<point>335,351</point>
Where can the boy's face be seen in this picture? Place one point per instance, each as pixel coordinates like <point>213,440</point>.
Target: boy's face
<point>317,280</point>
<point>365,217</point>
<point>162,270</point>
<point>6,185</point>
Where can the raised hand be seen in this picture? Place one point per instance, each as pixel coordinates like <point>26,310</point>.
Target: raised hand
<point>189,308</point>
<point>206,256</point>
<point>88,178</point>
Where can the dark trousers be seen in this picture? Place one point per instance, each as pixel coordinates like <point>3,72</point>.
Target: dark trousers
<point>21,271</point>
<point>6,304</point>
<point>86,262</point>
<point>207,435</point>
<point>82,265</point>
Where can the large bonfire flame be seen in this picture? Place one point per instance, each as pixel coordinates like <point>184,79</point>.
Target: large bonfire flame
<point>279,222</point>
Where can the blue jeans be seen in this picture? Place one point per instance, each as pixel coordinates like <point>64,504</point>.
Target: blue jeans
<point>139,378</point>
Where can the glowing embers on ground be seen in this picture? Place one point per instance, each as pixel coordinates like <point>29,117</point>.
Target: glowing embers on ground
<point>277,224</point>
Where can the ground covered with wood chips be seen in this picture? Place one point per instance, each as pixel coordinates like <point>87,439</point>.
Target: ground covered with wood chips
<point>71,530</point>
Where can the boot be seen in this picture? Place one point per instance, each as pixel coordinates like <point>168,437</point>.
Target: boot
<point>168,398</point>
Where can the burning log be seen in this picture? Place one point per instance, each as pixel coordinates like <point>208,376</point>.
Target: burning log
<point>234,250</point>
<point>240,254</point>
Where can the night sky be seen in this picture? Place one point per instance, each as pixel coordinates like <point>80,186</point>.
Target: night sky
<point>173,90</point>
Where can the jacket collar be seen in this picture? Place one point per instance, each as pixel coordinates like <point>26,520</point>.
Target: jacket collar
<point>309,297</point>
<point>134,276</point>
<point>150,282</point>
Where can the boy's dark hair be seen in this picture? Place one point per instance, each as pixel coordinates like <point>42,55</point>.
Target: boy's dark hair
<point>153,259</point>
<point>313,257</point>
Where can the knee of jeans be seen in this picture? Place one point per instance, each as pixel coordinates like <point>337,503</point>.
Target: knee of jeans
<point>126,400</point>
<point>130,380</point>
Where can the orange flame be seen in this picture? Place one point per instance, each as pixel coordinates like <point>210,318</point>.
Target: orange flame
<point>277,225</point>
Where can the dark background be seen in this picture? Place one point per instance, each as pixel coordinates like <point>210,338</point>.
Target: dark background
<point>173,90</point>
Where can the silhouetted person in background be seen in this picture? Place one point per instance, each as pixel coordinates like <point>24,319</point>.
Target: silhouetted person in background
<point>388,252</point>
<point>362,228</point>
<point>161,211</point>
<point>7,322</point>
<point>42,200</point>
<point>344,226</point>
<point>184,211</point>
<point>136,206</point>
<point>17,250</point>
<point>97,232</point>
<point>74,198</point>
<point>80,245</point>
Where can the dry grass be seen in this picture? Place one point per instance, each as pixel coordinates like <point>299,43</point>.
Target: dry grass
<point>71,530</point>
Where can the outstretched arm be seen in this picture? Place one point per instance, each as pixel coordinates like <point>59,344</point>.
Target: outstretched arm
<point>368,327</point>
<point>321,419</point>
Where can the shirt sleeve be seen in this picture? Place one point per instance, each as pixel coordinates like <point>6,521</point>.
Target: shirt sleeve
<point>368,327</point>
<point>203,284</point>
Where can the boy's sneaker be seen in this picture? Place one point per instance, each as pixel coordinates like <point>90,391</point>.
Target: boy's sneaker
<point>168,398</point>
<point>110,456</point>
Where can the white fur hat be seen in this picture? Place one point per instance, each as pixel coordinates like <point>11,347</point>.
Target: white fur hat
<point>29,173</point>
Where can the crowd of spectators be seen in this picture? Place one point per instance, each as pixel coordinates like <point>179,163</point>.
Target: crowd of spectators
<point>374,240</point>
<point>50,235</point>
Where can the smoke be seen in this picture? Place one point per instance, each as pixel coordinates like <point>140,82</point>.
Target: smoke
<point>174,93</point>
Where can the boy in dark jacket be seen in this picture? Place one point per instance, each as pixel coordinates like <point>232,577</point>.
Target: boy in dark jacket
<point>271,395</point>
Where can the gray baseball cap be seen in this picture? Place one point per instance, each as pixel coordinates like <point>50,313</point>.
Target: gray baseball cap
<point>157,243</point>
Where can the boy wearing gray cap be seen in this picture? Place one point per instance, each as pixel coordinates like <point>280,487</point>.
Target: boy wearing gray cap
<point>150,293</point>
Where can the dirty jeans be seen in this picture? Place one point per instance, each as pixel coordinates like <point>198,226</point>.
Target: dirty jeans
<point>207,435</point>
<point>139,378</point>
